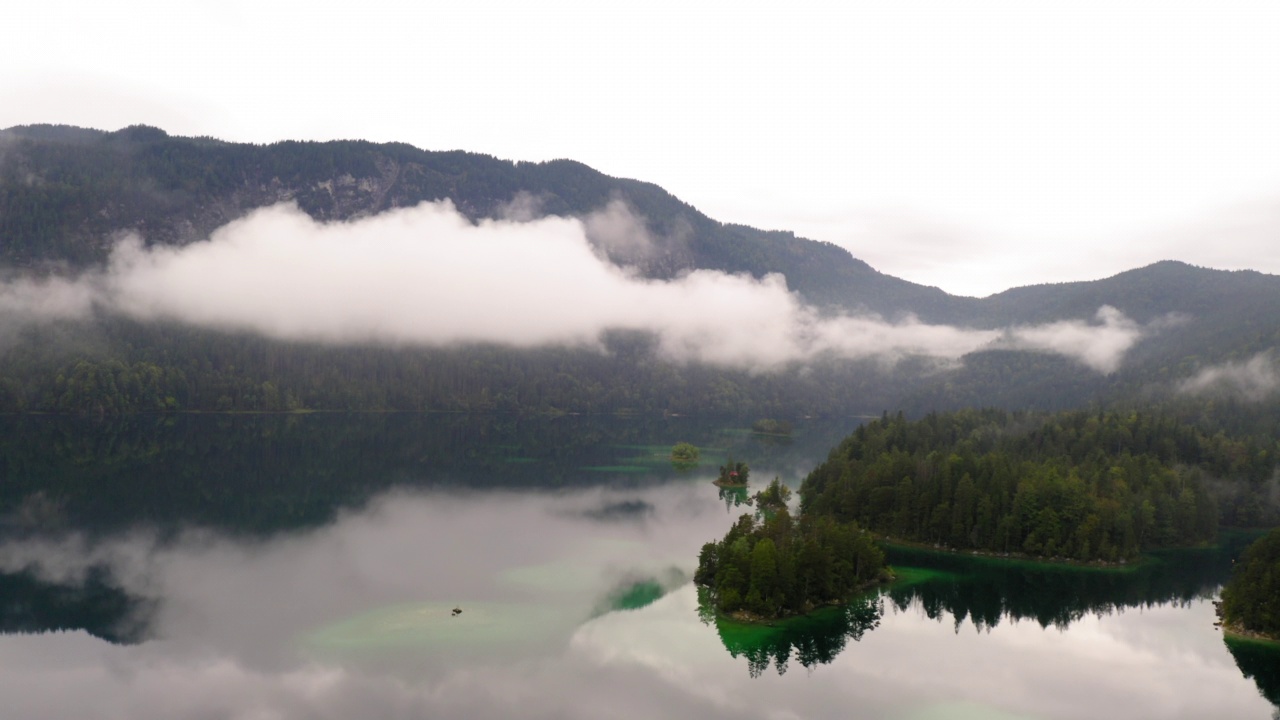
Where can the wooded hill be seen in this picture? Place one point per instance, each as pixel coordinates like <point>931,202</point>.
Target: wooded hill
<point>1078,485</point>
<point>66,193</point>
<point>1251,600</point>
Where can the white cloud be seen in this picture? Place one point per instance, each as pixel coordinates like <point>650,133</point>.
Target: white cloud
<point>1100,346</point>
<point>1254,379</point>
<point>426,275</point>
<point>53,298</point>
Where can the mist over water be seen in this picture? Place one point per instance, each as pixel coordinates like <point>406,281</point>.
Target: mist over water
<point>428,276</point>
<point>349,614</point>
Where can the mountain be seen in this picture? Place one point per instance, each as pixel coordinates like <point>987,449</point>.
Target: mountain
<point>67,193</point>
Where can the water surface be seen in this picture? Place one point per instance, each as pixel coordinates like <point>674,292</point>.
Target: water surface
<point>310,567</point>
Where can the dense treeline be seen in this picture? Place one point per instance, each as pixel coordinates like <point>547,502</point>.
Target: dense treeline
<point>1251,600</point>
<point>114,366</point>
<point>269,472</point>
<point>1077,485</point>
<point>776,566</point>
<point>66,193</point>
<point>29,604</point>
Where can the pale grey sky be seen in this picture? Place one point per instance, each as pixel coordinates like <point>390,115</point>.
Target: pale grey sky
<point>974,145</point>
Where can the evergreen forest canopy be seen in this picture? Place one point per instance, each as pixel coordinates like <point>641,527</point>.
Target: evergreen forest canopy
<point>65,193</point>
<point>1079,485</point>
<point>1251,600</point>
<point>770,565</point>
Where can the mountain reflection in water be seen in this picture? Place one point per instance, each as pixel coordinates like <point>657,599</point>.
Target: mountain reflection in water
<point>307,567</point>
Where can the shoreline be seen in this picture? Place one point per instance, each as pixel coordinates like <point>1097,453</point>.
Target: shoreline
<point>745,617</point>
<point>1235,632</point>
<point>1125,564</point>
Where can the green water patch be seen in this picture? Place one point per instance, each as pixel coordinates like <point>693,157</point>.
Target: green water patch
<point>437,627</point>
<point>1258,660</point>
<point>659,456</point>
<point>1261,643</point>
<point>637,595</point>
<point>906,576</point>
<point>811,639</point>
<point>623,469</point>
<point>640,590</point>
<point>649,460</point>
<point>657,452</point>
<point>734,496</point>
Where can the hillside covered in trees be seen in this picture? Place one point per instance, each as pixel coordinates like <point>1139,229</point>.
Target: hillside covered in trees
<point>67,194</point>
<point>1251,600</point>
<point>1078,485</point>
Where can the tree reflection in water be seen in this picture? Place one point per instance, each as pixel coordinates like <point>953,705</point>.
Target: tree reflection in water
<point>986,592</point>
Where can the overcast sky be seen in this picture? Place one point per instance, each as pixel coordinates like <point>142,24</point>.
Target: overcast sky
<point>970,145</point>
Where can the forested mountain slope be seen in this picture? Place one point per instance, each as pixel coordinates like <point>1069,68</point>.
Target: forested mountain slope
<point>64,192</point>
<point>67,194</point>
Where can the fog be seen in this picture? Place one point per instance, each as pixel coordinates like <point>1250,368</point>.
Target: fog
<point>233,617</point>
<point>1254,379</point>
<point>1101,346</point>
<point>427,275</point>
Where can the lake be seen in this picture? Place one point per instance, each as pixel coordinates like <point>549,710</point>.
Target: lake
<point>458,566</point>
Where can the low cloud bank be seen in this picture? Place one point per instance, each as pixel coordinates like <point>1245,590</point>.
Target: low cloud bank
<point>1257,378</point>
<point>1100,346</point>
<point>426,275</point>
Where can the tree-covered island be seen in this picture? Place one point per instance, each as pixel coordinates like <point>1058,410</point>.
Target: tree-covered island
<point>733,475</point>
<point>770,426</point>
<point>684,453</point>
<point>771,565</point>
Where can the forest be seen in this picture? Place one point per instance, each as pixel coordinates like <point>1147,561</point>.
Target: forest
<point>770,565</point>
<point>1078,485</point>
<point>1084,486</point>
<point>67,193</point>
<point>115,366</point>
<point>1251,599</point>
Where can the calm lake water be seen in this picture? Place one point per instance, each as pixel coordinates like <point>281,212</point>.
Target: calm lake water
<point>310,567</point>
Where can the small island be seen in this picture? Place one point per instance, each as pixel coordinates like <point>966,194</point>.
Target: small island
<point>683,453</point>
<point>773,566</point>
<point>1250,606</point>
<point>733,475</point>
<point>769,426</point>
